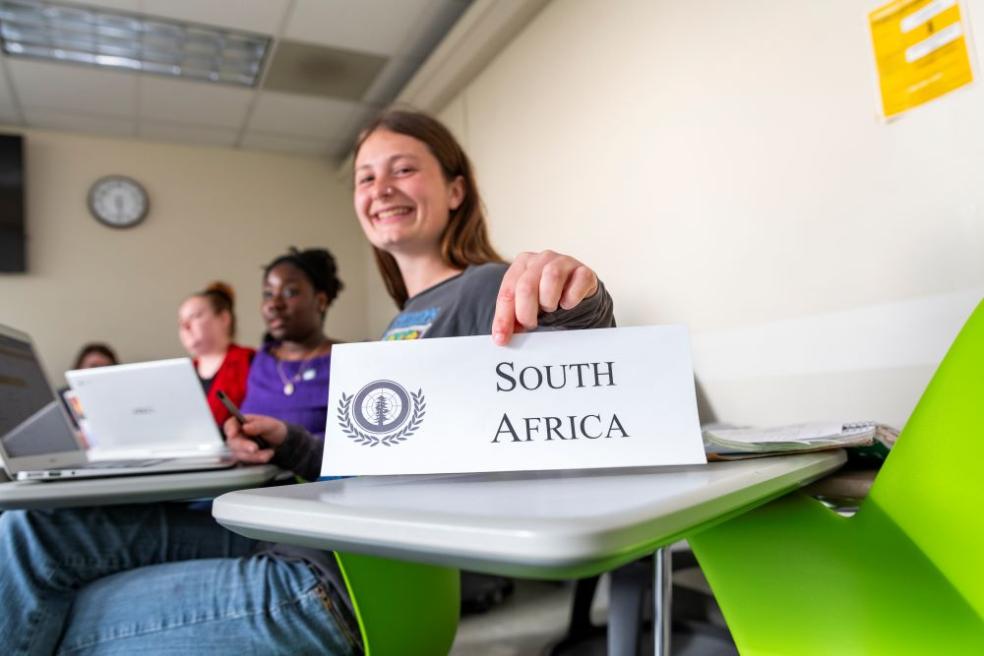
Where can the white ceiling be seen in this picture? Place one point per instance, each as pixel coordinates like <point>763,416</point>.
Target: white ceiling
<point>76,98</point>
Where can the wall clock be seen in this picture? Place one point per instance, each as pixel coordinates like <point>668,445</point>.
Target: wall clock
<point>118,201</point>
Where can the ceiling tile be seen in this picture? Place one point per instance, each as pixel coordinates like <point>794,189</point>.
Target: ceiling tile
<point>50,119</point>
<point>124,103</point>
<point>199,103</point>
<point>296,145</point>
<point>313,70</point>
<point>263,16</point>
<point>378,26</point>
<point>320,118</point>
<point>73,87</point>
<point>190,134</point>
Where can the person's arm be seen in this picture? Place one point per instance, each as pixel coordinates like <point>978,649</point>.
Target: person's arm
<point>300,453</point>
<point>549,284</point>
<point>290,447</point>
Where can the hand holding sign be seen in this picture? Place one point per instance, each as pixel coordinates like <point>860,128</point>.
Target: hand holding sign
<point>538,282</point>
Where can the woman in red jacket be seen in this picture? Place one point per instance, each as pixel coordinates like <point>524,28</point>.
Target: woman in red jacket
<point>207,327</point>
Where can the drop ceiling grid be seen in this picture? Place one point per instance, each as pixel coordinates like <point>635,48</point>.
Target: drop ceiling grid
<point>180,132</point>
<point>77,121</point>
<point>199,112</point>
<point>374,26</point>
<point>66,87</point>
<point>195,103</point>
<point>262,16</point>
<point>49,95</point>
<point>300,145</point>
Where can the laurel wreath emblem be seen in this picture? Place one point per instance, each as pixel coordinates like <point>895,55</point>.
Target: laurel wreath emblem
<point>352,431</point>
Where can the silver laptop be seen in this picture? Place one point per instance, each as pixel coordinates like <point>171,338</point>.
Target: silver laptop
<point>37,441</point>
<point>146,409</point>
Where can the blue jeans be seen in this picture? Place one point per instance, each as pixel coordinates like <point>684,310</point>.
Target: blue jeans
<point>155,579</point>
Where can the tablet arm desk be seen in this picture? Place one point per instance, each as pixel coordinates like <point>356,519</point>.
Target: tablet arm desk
<point>550,525</point>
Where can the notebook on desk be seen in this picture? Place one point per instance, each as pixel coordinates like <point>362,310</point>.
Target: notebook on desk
<point>726,442</point>
<point>37,441</point>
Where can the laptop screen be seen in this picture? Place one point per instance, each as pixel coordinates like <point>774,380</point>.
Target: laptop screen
<point>31,419</point>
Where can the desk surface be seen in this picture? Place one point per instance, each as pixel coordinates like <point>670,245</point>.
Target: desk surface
<point>529,524</point>
<point>131,489</point>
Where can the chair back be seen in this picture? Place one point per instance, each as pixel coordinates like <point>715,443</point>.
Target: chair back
<point>403,609</point>
<point>931,483</point>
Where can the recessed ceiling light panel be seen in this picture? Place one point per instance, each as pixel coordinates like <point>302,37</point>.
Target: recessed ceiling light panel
<point>100,37</point>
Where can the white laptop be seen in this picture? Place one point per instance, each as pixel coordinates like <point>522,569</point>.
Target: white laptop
<point>37,441</point>
<point>146,409</point>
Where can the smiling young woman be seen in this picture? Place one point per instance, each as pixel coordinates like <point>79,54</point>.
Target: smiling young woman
<point>402,197</point>
<point>404,156</point>
<point>418,204</point>
<point>139,578</point>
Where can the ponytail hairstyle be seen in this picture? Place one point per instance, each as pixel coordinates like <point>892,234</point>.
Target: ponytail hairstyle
<point>465,240</point>
<point>318,265</point>
<point>221,298</point>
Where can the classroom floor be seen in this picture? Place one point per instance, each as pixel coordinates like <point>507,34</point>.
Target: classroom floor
<point>535,617</point>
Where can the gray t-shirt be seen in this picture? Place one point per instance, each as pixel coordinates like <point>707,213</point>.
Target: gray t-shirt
<point>465,305</point>
<point>458,307</point>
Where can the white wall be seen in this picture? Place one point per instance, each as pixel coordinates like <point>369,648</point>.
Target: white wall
<point>215,213</point>
<point>722,164</point>
<point>719,163</point>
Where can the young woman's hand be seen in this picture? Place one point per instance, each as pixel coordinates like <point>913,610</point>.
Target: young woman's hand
<point>246,450</point>
<point>538,282</point>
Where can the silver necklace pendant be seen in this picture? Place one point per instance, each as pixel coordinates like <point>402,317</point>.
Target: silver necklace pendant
<point>288,388</point>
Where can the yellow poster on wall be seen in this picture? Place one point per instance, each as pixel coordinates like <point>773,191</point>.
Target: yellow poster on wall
<point>921,52</point>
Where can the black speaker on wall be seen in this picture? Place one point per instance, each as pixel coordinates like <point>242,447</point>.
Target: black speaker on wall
<point>13,249</point>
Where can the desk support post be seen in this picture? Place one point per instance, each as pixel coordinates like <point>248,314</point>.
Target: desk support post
<point>662,597</point>
<point>627,599</point>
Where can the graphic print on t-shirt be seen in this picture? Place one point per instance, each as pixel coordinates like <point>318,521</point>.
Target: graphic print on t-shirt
<point>411,325</point>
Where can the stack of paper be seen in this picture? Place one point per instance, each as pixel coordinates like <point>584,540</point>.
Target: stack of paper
<point>725,442</point>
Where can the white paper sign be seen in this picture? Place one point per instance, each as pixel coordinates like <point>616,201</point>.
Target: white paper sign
<point>615,397</point>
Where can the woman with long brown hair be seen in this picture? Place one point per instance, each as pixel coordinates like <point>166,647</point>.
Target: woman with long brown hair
<point>417,202</point>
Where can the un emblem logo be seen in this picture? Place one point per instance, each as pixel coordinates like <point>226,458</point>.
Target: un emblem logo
<point>382,412</point>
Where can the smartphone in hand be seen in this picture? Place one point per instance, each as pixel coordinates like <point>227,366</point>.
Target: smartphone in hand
<point>234,411</point>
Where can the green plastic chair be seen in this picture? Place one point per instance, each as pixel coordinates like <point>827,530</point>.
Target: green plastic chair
<point>403,609</point>
<point>904,575</point>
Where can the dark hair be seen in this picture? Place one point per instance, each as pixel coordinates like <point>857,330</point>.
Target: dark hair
<point>465,240</point>
<point>221,298</point>
<point>317,264</point>
<point>95,347</point>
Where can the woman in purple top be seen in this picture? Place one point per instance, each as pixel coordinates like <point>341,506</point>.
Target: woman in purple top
<point>289,376</point>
